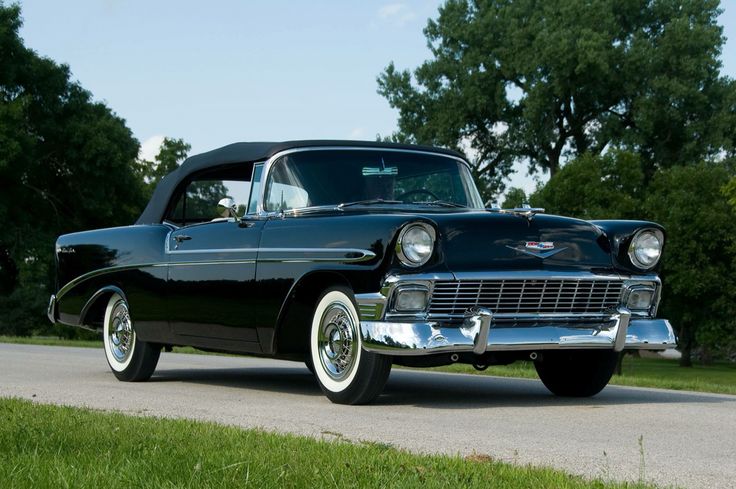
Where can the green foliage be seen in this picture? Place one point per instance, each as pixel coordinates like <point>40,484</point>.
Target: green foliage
<point>515,197</point>
<point>169,157</point>
<point>596,187</point>
<point>539,81</point>
<point>698,277</point>
<point>66,164</point>
<point>700,251</point>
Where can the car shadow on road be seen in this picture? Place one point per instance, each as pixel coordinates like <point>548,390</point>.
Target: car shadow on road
<point>451,391</point>
<point>288,380</point>
<point>432,390</point>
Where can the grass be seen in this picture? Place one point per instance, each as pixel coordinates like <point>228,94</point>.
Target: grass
<point>661,373</point>
<point>51,446</point>
<point>54,341</point>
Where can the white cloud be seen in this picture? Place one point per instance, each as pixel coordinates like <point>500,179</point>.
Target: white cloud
<point>150,147</point>
<point>397,14</point>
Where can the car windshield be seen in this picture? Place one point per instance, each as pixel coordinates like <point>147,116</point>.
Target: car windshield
<point>368,177</point>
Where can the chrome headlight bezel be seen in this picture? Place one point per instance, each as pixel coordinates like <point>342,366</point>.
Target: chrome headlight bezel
<point>407,249</point>
<point>636,257</point>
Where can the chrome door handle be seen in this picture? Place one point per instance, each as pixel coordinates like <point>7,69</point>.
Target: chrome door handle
<point>181,237</point>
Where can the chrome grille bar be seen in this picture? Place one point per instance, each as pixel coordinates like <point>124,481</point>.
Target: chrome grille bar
<point>451,298</point>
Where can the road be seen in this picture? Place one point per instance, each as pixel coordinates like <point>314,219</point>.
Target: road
<point>687,439</point>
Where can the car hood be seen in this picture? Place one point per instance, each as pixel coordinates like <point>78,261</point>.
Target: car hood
<point>484,240</point>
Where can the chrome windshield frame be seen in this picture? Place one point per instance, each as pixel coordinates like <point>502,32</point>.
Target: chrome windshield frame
<point>266,173</point>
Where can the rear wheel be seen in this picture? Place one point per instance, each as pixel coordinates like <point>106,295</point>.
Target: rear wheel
<point>576,373</point>
<point>130,359</point>
<point>346,373</point>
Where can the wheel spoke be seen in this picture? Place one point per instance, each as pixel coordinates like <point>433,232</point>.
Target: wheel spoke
<point>120,332</point>
<point>336,341</point>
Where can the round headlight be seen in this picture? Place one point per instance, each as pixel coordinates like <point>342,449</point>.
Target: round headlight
<point>646,248</point>
<point>415,244</point>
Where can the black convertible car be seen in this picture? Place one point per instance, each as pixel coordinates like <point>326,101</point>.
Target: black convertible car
<point>353,256</point>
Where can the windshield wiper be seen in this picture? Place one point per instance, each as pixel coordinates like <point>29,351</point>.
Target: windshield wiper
<point>441,203</point>
<point>369,202</point>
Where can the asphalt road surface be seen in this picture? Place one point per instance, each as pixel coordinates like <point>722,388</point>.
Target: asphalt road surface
<point>687,439</point>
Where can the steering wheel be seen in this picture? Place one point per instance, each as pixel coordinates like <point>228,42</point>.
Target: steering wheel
<point>417,192</point>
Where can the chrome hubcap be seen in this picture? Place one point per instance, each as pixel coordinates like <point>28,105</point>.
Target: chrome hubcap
<point>120,332</point>
<point>336,343</point>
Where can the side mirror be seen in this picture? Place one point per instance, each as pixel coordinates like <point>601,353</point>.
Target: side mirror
<point>227,208</point>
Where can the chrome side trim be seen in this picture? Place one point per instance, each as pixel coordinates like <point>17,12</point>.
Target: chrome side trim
<point>215,262</point>
<point>102,271</point>
<point>214,250</point>
<point>360,256</point>
<point>306,255</point>
<point>340,254</point>
<point>413,339</point>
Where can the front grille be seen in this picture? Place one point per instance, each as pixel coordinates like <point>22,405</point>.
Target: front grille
<point>527,296</point>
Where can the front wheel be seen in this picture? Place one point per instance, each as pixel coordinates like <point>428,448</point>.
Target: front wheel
<point>130,359</point>
<point>346,374</point>
<point>576,373</point>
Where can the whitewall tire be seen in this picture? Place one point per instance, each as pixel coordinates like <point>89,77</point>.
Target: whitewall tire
<point>129,358</point>
<point>346,373</point>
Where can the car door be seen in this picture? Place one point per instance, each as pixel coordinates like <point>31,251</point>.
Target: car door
<point>212,263</point>
<point>212,268</point>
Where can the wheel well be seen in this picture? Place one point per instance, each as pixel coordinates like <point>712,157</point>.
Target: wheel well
<point>292,329</point>
<point>93,312</point>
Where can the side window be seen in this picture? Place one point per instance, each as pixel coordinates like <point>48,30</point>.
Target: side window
<point>198,202</point>
<point>285,188</point>
<point>255,189</point>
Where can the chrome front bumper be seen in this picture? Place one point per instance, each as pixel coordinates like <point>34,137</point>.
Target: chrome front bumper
<point>478,333</point>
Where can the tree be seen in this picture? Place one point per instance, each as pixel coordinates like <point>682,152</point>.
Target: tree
<point>515,197</point>
<point>610,186</point>
<point>66,164</point>
<point>700,250</point>
<point>542,81</point>
<point>170,155</point>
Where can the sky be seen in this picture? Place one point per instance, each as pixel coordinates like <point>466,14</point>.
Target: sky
<point>213,73</point>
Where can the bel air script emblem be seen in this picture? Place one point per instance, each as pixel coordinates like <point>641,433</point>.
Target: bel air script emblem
<point>540,249</point>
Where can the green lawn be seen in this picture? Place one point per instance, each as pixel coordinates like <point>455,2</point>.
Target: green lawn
<point>54,341</point>
<point>639,372</point>
<point>50,446</point>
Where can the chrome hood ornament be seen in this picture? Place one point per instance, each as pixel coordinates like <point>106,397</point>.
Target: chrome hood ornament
<point>525,210</point>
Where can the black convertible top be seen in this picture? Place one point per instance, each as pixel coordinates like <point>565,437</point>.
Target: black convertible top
<point>247,153</point>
